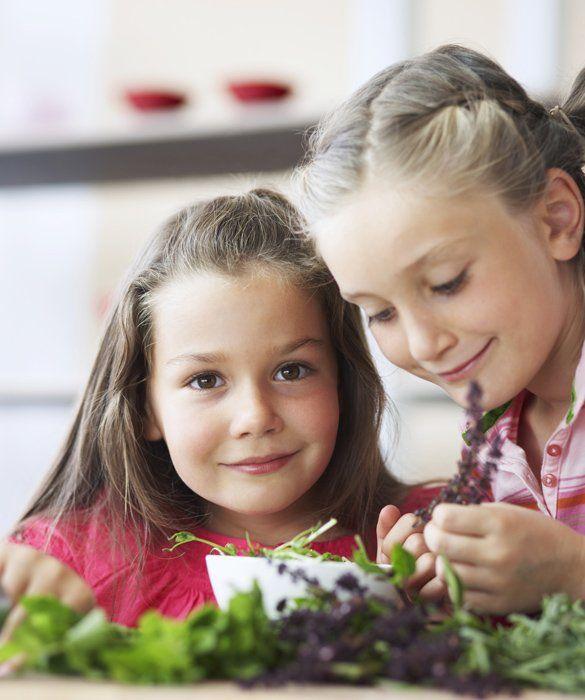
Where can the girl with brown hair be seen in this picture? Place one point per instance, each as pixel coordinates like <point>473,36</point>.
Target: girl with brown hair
<point>232,392</point>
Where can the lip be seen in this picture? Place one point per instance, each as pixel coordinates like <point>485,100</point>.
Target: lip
<point>266,464</point>
<point>463,371</point>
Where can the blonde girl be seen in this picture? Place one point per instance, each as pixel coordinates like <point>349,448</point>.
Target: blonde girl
<point>232,391</point>
<point>448,205</point>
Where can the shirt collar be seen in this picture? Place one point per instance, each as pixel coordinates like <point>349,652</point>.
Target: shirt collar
<point>489,419</point>
<point>577,390</point>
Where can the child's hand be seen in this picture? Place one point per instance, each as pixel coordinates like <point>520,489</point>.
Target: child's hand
<point>395,529</point>
<point>507,557</point>
<point>26,571</point>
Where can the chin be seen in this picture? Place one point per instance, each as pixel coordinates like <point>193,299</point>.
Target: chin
<point>258,507</point>
<point>491,398</point>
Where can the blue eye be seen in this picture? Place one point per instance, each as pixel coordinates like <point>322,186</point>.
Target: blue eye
<point>452,286</point>
<point>203,382</point>
<point>292,372</point>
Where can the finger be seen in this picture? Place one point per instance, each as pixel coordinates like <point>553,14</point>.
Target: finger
<point>476,578</point>
<point>485,603</point>
<point>14,619</point>
<point>79,597</point>
<point>388,517</point>
<point>14,580</point>
<point>416,545</point>
<point>406,526</point>
<point>3,552</point>
<point>457,548</point>
<point>424,572</point>
<point>433,591</point>
<point>468,520</point>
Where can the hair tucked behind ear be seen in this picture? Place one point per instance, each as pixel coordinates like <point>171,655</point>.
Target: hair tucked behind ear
<point>451,120</point>
<point>107,463</point>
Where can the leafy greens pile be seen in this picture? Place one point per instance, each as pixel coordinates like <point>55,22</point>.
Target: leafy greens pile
<point>323,638</point>
<point>299,547</point>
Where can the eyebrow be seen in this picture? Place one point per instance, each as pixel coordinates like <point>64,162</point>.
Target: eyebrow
<point>438,251</point>
<point>211,358</point>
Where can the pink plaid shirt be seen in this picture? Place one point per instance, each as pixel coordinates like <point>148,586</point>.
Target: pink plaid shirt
<point>560,490</point>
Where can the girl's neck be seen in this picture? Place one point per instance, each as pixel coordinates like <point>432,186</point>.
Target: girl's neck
<point>270,529</point>
<point>551,387</point>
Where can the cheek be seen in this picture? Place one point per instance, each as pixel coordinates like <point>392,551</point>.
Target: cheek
<point>392,344</point>
<point>192,437</point>
<point>316,417</point>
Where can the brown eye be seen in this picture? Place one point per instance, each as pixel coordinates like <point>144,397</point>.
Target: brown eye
<point>206,381</point>
<point>292,372</point>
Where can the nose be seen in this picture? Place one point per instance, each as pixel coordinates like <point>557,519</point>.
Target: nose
<point>254,414</point>
<point>427,337</point>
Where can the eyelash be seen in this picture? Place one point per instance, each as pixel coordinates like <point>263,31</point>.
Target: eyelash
<point>200,376</point>
<point>453,285</point>
<point>447,289</point>
<point>308,370</point>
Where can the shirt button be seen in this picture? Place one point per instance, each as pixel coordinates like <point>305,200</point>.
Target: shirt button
<point>554,450</point>
<point>549,480</point>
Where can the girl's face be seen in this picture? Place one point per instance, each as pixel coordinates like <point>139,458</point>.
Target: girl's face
<point>243,390</point>
<point>454,289</point>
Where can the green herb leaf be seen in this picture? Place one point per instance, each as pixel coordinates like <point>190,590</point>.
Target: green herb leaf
<point>403,565</point>
<point>454,585</point>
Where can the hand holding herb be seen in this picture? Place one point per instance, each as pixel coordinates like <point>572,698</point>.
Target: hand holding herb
<point>507,557</point>
<point>407,531</point>
<point>470,484</point>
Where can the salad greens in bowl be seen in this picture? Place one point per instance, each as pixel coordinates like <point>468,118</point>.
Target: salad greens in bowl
<point>232,571</point>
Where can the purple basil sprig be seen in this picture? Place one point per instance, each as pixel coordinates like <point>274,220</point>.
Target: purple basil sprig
<point>471,483</point>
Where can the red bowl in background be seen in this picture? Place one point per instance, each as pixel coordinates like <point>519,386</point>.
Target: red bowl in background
<point>258,91</point>
<point>152,100</point>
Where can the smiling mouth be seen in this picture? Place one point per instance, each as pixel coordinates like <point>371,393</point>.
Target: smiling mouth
<point>465,369</point>
<point>261,465</point>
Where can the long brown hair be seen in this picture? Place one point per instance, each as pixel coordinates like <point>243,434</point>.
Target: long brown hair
<point>107,463</point>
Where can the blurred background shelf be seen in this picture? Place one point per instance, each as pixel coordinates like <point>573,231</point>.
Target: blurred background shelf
<point>158,156</point>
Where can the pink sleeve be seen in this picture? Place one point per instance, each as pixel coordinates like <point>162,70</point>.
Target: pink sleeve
<point>40,534</point>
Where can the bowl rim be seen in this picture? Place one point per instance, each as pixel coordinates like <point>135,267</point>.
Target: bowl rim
<point>308,560</point>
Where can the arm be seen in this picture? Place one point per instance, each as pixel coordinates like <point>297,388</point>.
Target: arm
<point>26,571</point>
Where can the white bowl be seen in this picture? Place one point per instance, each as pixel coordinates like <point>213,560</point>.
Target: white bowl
<point>231,574</point>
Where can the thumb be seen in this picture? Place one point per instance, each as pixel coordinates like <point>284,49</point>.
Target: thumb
<point>389,516</point>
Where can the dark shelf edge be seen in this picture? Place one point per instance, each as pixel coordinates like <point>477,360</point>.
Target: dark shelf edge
<point>255,151</point>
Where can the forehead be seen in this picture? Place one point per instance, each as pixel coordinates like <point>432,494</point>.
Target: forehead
<point>389,230</point>
<point>214,311</point>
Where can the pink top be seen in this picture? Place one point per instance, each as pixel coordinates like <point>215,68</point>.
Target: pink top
<point>174,583</point>
<point>560,490</point>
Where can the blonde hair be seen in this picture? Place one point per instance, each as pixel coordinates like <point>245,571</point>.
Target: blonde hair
<point>107,463</point>
<point>451,120</point>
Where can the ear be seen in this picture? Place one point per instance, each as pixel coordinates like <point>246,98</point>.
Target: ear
<point>562,211</point>
<point>151,431</point>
